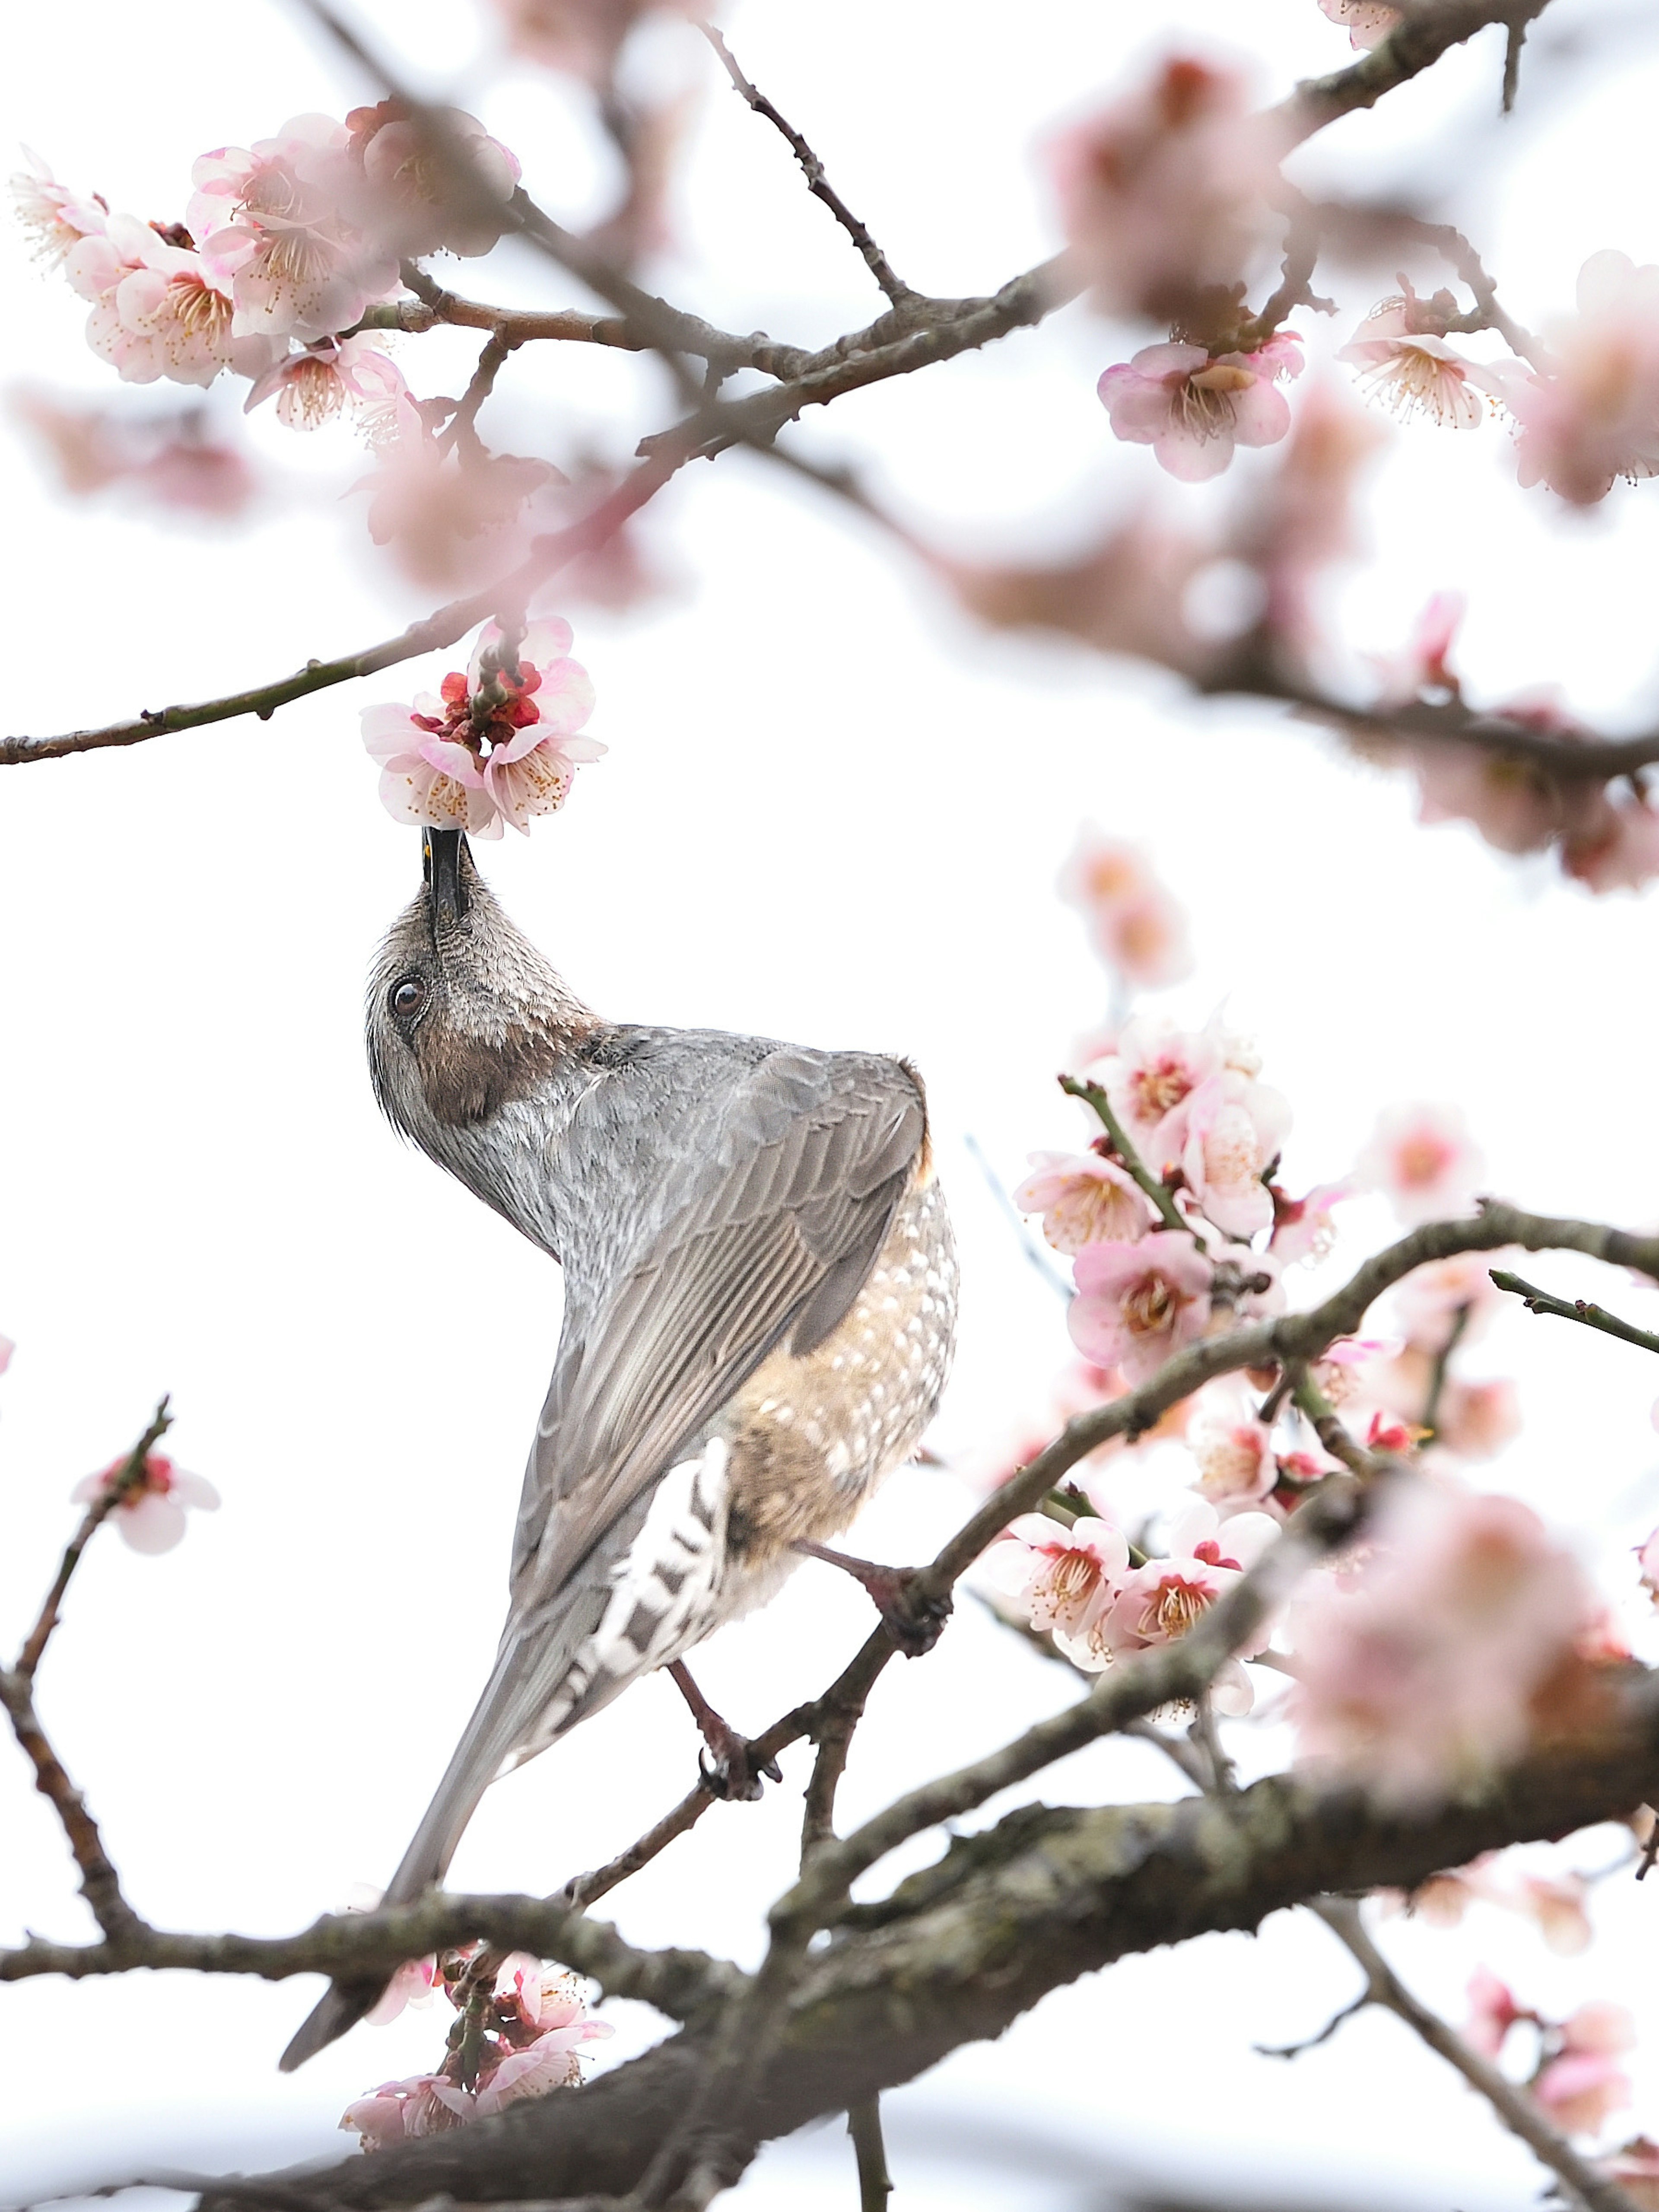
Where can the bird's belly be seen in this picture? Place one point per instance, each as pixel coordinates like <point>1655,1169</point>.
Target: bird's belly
<point>810,1438</point>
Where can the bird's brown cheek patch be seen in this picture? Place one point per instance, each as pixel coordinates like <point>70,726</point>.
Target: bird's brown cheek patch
<point>465,1083</point>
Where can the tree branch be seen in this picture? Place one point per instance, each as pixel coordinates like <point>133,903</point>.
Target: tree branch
<point>1424,32</point>
<point>1593,1316</point>
<point>816,183</point>
<point>128,1479</point>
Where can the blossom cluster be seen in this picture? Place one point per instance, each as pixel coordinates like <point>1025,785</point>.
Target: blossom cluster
<point>1576,2077</point>
<point>1166,196</point>
<point>499,743</point>
<point>520,2035</point>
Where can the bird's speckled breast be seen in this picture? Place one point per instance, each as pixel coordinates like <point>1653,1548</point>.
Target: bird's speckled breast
<point>810,1438</point>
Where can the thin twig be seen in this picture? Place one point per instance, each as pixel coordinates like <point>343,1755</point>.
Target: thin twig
<point>99,1884</point>
<point>1442,1359</point>
<point>115,1493</point>
<point>1312,2042</point>
<point>1593,1316</point>
<point>818,184</point>
<point>1513,2106</point>
<point>1035,1254</point>
<point>864,2125</point>
<point>462,424</point>
<point>1091,1094</point>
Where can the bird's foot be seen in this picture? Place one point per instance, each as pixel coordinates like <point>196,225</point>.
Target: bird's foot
<point>731,1769</point>
<point>914,1620</point>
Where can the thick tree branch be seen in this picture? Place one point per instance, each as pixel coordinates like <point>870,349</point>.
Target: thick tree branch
<point>1045,1896</point>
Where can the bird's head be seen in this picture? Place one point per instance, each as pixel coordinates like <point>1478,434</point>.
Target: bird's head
<point>464,1013</point>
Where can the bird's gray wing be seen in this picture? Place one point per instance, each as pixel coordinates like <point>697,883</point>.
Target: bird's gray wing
<point>773,1221</point>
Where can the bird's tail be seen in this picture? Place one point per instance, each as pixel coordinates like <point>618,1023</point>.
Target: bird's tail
<point>486,1743</point>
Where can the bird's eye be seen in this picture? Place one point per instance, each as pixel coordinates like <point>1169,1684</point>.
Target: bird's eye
<point>406,999</point>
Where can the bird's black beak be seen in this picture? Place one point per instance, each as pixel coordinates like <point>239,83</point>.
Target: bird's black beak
<point>440,861</point>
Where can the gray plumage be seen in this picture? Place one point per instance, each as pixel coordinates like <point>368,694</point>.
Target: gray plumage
<point>759,1294</point>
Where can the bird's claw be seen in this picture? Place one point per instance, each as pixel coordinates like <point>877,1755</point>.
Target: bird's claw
<point>730,1772</point>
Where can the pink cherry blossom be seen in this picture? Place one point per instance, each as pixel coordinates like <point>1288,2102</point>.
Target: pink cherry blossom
<point>1304,1229</point>
<point>451,518</point>
<point>1160,192</point>
<point>1456,1294</point>
<point>1193,409</point>
<point>581,36</point>
<point>151,1515</point>
<point>1236,1466</point>
<point>57,218</point>
<point>1155,1069</point>
<point>1620,852</point>
<point>1140,1303</point>
<point>495,747</point>
<point>1137,927</point>
<point>549,2062</point>
<point>1415,372</point>
<point>1556,1905</point>
<point>424,2105</point>
<point>1422,667</point>
<point>544,1997</point>
<point>1477,1420</point>
<point>176,320</point>
<point>1423,1158</point>
<point>1061,1578</point>
<point>406,204</point>
<point>1581,2089</point>
<point>1083,1200</point>
<point>1493,2013</point>
<point>1367,23</point>
<point>277,216</point>
<point>412,1984</point>
<point>1163,1599</point>
<point>1418,1675</point>
<point>1635,2168</point>
<point>311,387</point>
<point>1231,1132</point>
<point>1595,417</point>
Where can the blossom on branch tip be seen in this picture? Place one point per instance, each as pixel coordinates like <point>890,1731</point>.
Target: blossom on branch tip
<point>1083,1200</point>
<point>57,218</point>
<point>1415,372</point>
<point>312,386</point>
<point>1193,409</point>
<point>1140,1303</point>
<point>1161,193</point>
<point>1595,417</point>
<point>1423,1160</point>
<point>497,745</point>
<point>1231,1131</point>
<point>151,1512</point>
<point>1367,23</point>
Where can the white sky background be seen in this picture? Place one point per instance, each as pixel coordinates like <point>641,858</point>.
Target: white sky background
<point>831,811</point>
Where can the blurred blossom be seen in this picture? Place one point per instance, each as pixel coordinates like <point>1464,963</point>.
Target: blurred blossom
<point>407,203</point>
<point>1083,1200</point>
<point>1415,373</point>
<point>450,518</point>
<point>1583,2085</point>
<point>1299,517</point>
<point>312,386</point>
<point>7,1348</point>
<point>1648,1554</point>
<point>1423,1159</point>
<point>1455,1295</point>
<point>57,218</point>
<point>1477,1420</point>
<point>412,1984</point>
<point>1160,192</point>
<point>151,1514</point>
<point>1635,2168</point>
<point>1595,417</point>
<point>583,37</point>
<point>168,461</point>
<point>1419,1672</point>
<point>1617,849</point>
<point>277,216</point>
<point>1127,594</point>
<point>1140,1303</point>
<point>1193,409</point>
<point>1367,23</point>
<point>1422,665</point>
<point>1493,2013</point>
<point>1135,925</point>
<point>1304,1229</point>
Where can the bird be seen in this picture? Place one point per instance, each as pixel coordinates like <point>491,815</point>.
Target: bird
<point>760,1293</point>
